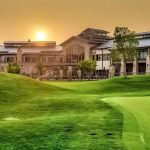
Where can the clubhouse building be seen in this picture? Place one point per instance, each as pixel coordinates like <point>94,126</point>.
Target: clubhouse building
<point>140,65</point>
<point>29,54</point>
<point>57,60</point>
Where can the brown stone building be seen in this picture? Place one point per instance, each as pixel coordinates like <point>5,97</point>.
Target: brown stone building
<point>29,54</point>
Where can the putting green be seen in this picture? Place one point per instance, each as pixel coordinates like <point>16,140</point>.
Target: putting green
<point>136,112</point>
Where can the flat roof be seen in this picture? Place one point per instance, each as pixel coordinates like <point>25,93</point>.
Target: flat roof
<point>27,42</point>
<point>32,49</point>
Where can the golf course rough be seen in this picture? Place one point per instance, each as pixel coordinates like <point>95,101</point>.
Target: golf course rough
<point>72,115</point>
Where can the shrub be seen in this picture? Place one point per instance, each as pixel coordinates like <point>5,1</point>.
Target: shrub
<point>13,68</point>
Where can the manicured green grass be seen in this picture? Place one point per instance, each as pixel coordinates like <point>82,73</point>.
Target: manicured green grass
<point>70,115</point>
<point>137,120</point>
<point>40,116</point>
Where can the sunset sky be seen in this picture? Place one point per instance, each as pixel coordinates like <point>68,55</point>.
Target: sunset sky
<point>60,19</point>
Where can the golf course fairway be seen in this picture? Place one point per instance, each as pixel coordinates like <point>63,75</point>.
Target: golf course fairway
<point>111,114</point>
<point>136,112</point>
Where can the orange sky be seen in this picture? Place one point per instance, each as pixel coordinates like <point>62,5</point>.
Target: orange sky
<point>60,19</point>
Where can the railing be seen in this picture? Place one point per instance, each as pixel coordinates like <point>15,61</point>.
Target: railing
<point>60,64</point>
<point>141,59</point>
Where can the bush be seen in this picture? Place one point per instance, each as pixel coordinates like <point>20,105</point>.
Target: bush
<point>88,67</point>
<point>13,68</point>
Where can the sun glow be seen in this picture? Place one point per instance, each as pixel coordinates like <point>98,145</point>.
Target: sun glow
<point>40,36</point>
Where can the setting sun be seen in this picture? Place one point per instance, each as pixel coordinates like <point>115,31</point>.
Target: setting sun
<point>40,36</point>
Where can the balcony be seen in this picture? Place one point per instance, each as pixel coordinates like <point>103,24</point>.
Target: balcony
<point>141,59</point>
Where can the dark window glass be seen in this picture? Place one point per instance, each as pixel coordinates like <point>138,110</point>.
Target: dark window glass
<point>97,57</point>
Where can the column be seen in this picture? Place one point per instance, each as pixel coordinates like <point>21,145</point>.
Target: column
<point>19,56</point>
<point>79,74</point>
<point>69,73</point>
<point>5,68</point>
<point>135,67</point>
<point>148,62</point>
<point>111,71</point>
<point>61,73</point>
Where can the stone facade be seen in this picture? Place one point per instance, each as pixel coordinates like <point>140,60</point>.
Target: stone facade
<point>29,54</point>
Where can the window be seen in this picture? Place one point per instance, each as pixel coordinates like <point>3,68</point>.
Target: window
<point>74,53</point>
<point>10,59</point>
<point>43,59</point>
<point>105,57</point>
<point>35,59</point>
<point>142,55</point>
<point>93,57</point>
<point>51,59</point>
<point>99,57</point>
<point>96,57</point>
<point>61,59</point>
<point>27,59</point>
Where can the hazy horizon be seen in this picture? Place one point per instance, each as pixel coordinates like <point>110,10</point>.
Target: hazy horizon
<point>21,20</point>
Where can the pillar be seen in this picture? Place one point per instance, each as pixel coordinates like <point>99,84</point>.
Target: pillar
<point>5,68</point>
<point>148,62</point>
<point>79,74</point>
<point>3,59</point>
<point>61,72</point>
<point>50,74</point>
<point>69,73</point>
<point>135,67</point>
<point>19,56</point>
<point>111,71</point>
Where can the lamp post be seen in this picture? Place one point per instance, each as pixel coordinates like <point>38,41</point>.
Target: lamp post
<point>102,62</point>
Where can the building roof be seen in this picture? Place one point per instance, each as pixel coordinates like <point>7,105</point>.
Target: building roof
<point>13,50</point>
<point>143,33</point>
<point>32,42</point>
<point>106,45</point>
<point>74,37</point>
<point>95,36</point>
<point>143,43</point>
<point>98,30</point>
<point>91,36</point>
<point>29,43</point>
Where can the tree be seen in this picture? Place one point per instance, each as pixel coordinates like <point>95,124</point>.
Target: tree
<point>125,46</point>
<point>13,68</point>
<point>40,68</point>
<point>87,67</point>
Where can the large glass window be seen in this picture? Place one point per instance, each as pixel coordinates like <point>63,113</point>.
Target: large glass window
<point>142,55</point>
<point>75,53</point>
